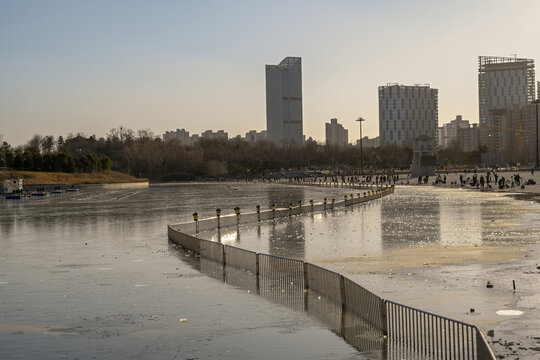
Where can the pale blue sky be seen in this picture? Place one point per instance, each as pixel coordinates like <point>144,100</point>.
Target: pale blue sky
<point>69,66</point>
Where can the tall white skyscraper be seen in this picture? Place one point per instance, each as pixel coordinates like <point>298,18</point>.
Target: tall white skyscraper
<point>406,112</point>
<point>284,102</point>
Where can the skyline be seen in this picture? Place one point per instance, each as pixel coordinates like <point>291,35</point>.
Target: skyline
<point>89,67</point>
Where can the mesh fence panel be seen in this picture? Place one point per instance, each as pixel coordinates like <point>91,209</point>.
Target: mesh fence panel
<point>282,280</point>
<point>187,228</point>
<point>213,269</point>
<point>228,220</point>
<point>324,281</point>
<point>184,240</point>
<point>211,250</point>
<point>241,279</point>
<point>422,334</point>
<point>363,336</point>
<point>325,310</point>
<point>364,303</point>
<point>240,258</point>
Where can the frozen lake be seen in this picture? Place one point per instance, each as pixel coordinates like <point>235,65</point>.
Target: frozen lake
<point>91,274</point>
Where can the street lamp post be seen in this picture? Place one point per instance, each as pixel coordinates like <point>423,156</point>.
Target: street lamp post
<point>360,119</point>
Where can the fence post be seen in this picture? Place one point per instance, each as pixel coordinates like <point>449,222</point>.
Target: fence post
<point>257,273</point>
<point>306,285</point>
<point>224,263</point>
<point>196,219</point>
<point>384,323</point>
<point>237,212</point>
<point>342,289</point>
<point>343,304</point>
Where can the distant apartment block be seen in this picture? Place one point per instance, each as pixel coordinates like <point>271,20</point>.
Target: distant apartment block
<point>469,138</point>
<point>336,134</point>
<point>180,134</point>
<point>220,134</point>
<point>503,84</point>
<point>406,112</point>
<point>253,136</point>
<point>459,133</point>
<point>185,139</point>
<point>284,102</point>
<point>369,143</point>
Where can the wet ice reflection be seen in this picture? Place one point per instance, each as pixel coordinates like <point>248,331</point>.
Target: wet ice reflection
<point>410,217</point>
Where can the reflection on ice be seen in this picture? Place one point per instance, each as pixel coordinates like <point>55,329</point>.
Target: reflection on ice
<point>423,217</point>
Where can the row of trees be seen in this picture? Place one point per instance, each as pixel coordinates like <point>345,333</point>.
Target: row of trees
<point>50,155</point>
<point>140,153</point>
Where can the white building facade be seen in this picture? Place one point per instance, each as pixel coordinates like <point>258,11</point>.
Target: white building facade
<point>336,134</point>
<point>284,119</point>
<point>406,112</point>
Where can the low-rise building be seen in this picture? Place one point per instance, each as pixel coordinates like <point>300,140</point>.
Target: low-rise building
<point>253,136</point>
<point>369,143</point>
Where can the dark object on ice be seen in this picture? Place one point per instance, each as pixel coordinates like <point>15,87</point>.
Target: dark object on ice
<point>489,284</point>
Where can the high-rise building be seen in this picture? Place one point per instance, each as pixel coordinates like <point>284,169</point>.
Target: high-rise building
<point>502,82</point>
<point>336,134</point>
<point>284,102</point>
<point>468,138</point>
<point>406,112</point>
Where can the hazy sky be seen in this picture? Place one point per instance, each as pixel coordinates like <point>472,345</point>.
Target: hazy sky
<point>87,66</point>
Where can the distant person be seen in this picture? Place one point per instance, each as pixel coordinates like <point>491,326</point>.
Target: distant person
<point>419,180</point>
<point>482,181</point>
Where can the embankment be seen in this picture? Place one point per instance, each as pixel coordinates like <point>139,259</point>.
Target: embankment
<point>60,178</point>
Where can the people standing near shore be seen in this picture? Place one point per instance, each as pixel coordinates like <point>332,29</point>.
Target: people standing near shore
<point>482,181</point>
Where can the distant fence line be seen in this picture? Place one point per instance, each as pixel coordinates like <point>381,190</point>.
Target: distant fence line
<point>357,196</point>
<point>389,329</point>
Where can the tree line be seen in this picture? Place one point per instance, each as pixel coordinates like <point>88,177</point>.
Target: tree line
<point>140,153</point>
<point>47,154</point>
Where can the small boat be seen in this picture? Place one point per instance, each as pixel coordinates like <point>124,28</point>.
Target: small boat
<point>39,194</point>
<point>57,192</point>
<point>72,190</point>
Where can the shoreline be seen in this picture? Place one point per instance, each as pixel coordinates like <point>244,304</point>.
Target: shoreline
<point>46,179</point>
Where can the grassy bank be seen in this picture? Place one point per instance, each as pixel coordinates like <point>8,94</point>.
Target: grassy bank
<point>60,178</point>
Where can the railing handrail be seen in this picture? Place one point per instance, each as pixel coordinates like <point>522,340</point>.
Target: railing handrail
<point>429,313</point>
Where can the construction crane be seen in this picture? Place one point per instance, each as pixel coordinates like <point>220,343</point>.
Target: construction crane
<point>519,131</point>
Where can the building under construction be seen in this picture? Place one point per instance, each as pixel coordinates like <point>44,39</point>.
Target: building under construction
<point>506,90</point>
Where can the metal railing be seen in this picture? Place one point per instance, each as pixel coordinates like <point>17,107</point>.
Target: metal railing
<point>381,327</point>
